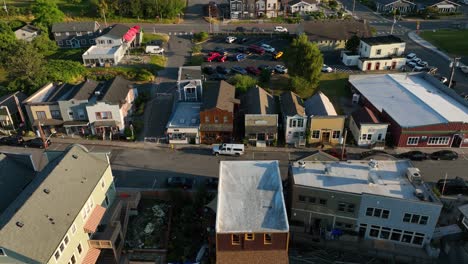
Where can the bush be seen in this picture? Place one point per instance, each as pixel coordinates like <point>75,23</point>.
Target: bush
<point>195,60</point>
<point>242,82</point>
<point>200,36</point>
<point>64,70</point>
<point>196,49</point>
<point>265,76</point>
<point>301,86</point>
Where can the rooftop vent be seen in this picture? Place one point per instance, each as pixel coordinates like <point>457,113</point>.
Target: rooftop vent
<point>46,191</point>
<point>75,156</point>
<point>373,164</point>
<point>414,175</point>
<point>301,164</point>
<point>419,194</point>
<point>19,224</point>
<point>97,92</point>
<point>328,169</point>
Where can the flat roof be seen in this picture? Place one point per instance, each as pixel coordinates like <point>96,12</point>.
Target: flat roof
<point>98,50</point>
<point>186,114</point>
<point>250,198</point>
<point>190,73</point>
<point>401,94</point>
<point>382,40</point>
<point>388,179</point>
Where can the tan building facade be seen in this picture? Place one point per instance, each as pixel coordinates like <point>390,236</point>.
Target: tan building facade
<point>326,129</point>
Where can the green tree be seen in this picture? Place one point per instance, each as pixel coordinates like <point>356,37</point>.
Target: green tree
<point>304,59</point>
<point>352,44</point>
<point>44,45</point>
<point>242,82</point>
<point>301,86</point>
<point>46,13</point>
<point>64,70</point>
<point>265,76</point>
<point>7,41</point>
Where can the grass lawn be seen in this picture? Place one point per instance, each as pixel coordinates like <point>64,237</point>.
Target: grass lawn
<point>158,62</point>
<point>147,37</point>
<point>68,54</point>
<point>333,85</point>
<point>452,41</point>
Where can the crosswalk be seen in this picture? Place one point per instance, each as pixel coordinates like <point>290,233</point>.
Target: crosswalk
<point>179,33</point>
<point>341,68</point>
<point>379,22</point>
<point>395,32</point>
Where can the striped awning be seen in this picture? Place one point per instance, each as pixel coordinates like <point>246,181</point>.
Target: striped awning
<point>92,256</point>
<point>94,219</point>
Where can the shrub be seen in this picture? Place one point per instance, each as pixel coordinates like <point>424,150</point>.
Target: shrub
<point>242,82</point>
<point>196,49</point>
<point>200,36</point>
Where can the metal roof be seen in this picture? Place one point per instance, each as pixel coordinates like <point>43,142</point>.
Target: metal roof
<point>185,115</point>
<point>319,104</point>
<point>250,198</point>
<point>409,99</point>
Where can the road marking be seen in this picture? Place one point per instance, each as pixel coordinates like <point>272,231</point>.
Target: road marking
<point>154,182</point>
<point>91,148</point>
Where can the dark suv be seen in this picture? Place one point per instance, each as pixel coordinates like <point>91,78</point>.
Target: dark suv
<point>453,186</point>
<point>12,141</point>
<point>179,182</point>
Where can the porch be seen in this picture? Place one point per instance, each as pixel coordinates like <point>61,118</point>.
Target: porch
<point>105,129</point>
<point>78,128</point>
<point>49,126</point>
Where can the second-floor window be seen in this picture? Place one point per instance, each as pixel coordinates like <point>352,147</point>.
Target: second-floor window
<point>378,52</point>
<point>225,119</point>
<point>216,119</point>
<point>103,115</point>
<point>41,115</point>
<point>55,114</point>
<point>207,119</point>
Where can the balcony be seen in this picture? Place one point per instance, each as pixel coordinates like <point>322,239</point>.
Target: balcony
<point>94,219</point>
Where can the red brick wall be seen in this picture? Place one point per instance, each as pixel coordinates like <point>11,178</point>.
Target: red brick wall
<point>211,114</point>
<point>279,241</point>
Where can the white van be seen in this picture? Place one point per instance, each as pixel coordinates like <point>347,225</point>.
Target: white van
<point>228,149</point>
<point>154,49</point>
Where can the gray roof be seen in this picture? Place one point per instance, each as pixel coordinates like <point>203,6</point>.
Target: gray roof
<point>291,104</point>
<point>70,178</point>
<point>117,30</point>
<point>185,115</point>
<point>320,105</point>
<point>9,101</point>
<point>219,95</point>
<point>410,99</point>
<point>115,90</point>
<point>190,73</point>
<point>29,28</point>
<point>258,101</point>
<point>318,155</point>
<point>335,29</point>
<point>382,40</point>
<point>250,198</point>
<point>75,26</point>
<point>387,2</point>
<point>16,171</point>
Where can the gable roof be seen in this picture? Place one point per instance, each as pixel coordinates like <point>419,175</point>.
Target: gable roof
<point>440,2</point>
<point>318,155</point>
<point>294,2</point>
<point>387,2</point>
<point>75,26</point>
<point>117,30</point>
<point>319,104</point>
<point>85,90</point>
<point>219,95</point>
<point>364,115</point>
<point>46,218</point>
<point>258,101</point>
<point>335,29</point>
<point>9,101</point>
<point>115,90</point>
<point>291,104</point>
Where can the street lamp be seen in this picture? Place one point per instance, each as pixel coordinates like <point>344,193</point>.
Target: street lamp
<point>453,65</point>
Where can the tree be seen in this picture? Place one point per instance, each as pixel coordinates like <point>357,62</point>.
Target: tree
<point>7,41</point>
<point>304,59</point>
<point>301,86</point>
<point>242,82</point>
<point>46,13</point>
<point>265,76</point>
<point>44,45</point>
<point>352,44</point>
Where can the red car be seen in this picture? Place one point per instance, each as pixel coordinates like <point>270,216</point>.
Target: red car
<point>222,58</point>
<point>253,70</point>
<point>212,56</point>
<point>257,49</point>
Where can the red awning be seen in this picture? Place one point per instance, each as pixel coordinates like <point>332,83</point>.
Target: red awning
<point>94,219</point>
<point>92,256</point>
<point>131,33</point>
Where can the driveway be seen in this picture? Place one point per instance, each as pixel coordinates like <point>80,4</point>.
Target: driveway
<point>194,11</point>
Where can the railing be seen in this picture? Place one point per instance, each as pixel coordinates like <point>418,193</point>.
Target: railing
<point>100,244</point>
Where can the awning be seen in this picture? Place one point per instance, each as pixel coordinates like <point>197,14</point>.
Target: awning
<point>92,256</point>
<point>105,123</point>
<point>75,123</point>
<point>94,219</point>
<point>48,122</point>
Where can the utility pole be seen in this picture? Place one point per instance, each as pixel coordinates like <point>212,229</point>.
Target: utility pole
<point>453,65</point>
<point>343,146</point>
<point>394,21</point>
<point>354,6</point>
<point>209,17</point>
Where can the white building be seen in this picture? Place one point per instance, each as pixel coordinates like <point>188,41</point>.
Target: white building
<point>302,6</point>
<point>184,124</point>
<point>27,33</point>
<point>267,8</point>
<point>189,83</point>
<point>384,200</point>
<point>367,129</point>
<point>294,118</point>
<point>377,53</point>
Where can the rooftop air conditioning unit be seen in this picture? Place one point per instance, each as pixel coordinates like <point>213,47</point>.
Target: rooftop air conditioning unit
<point>301,164</point>
<point>414,175</point>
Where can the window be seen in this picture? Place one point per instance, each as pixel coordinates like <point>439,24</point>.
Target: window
<point>378,52</point>
<point>374,232</point>
<point>109,41</point>
<point>225,119</point>
<point>58,34</point>
<point>62,247</point>
<point>106,200</point>
<point>438,140</point>
<point>249,236</point>
<point>312,200</point>
<point>292,123</point>
<point>346,207</point>
<point>216,119</point>
<point>407,236</point>
<point>79,249</point>
<point>323,201</point>
<point>55,114</point>
<point>103,184</point>
<point>369,136</point>
<point>104,115</point>
<point>83,41</point>
<point>66,240</point>
<point>418,239</point>
<point>41,115</point>
<point>92,41</point>
<point>348,226</point>
<point>412,141</point>
<point>235,239</point>
<point>363,136</point>
<point>407,218</point>
<point>415,219</point>
<point>423,220</point>
<point>68,42</point>
<point>57,255</point>
<point>60,43</point>
<point>396,235</point>
<point>350,208</point>
<point>300,123</point>
<point>73,260</point>
<point>315,133</point>
<point>67,33</point>
<point>302,198</point>
<point>336,134</point>
<point>369,211</point>
<point>207,119</point>
<point>73,229</point>
<point>267,239</point>
<point>341,207</point>
<point>385,233</point>
<point>78,33</point>
<point>385,214</point>
<point>377,212</point>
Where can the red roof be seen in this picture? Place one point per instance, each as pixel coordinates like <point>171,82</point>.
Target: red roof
<point>131,33</point>
<point>91,256</point>
<point>94,219</point>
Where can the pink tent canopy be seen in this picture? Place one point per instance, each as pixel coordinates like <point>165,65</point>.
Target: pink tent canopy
<point>131,33</point>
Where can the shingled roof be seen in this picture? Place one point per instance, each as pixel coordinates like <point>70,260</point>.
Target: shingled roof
<point>75,26</point>
<point>258,101</point>
<point>115,90</point>
<point>320,105</point>
<point>219,95</point>
<point>335,29</point>
<point>291,104</point>
<point>117,30</point>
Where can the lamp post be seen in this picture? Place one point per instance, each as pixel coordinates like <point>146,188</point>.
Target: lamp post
<point>453,65</point>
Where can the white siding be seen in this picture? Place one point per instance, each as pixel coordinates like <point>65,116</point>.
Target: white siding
<point>290,131</point>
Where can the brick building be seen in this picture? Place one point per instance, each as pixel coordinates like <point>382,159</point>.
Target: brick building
<point>421,111</point>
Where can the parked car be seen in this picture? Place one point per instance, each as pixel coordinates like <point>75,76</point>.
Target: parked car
<point>256,30</point>
<point>253,70</point>
<point>240,29</point>
<point>212,183</point>
<point>412,64</point>
<point>464,69</point>
<point>452,186</point>
<point>268,48</point>
<point>218,77</point>
<point>221,50</point>
<point>257,49</point>
<point>11,141</point>
<point>280,29</point>
<point>326,68</point>
<point>444,155</point>
<point>154,50</point>
<point>238,69</point>
<point>222,58</point>
<point>240,57</point>
<point>411,56</point>
<point>372,152</point>
<point>336,153</point>
<point>36,143</point>
<point>222,70</point>
<point>212,56</point>
<point>242,40</point>
<point>228,149</point>
<point>266,67</point>
<point>423,64</point>
<point>281,69</point>
<point>230,39</point>
<point>277,55</point>
<point>179,182</point>
<point>413,155</point>
<point>244,50</point>
<point>416,60</point>
<point>208,70</point>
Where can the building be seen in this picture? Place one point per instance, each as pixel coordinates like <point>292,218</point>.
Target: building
<point>294,119</point>
<point>217,112</point>
<point>420,110</point>
<point>251,219</point>
<point>302,6</point>
<point>111,106</point>
<point>318,155</point>
<point>463,216</point>
<point>59,216</point>
<point>367,129</point>
<point>75,34</point>
<point>239,9</point>
<point>27,33</point>
<point>267,8</point>
<point>325,125</point>
<point>384,200</point>
<point>112,45</point>
<point>184,124</point>
<point>377,53</point>
<point>443,6</point>
<point>189,83</point>
<point>260,113</point>
<point>332,35</point>
<point>11,110</point>
<point>388,6</point>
